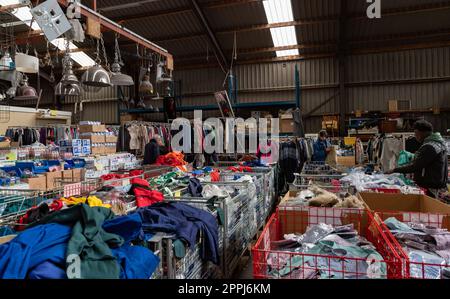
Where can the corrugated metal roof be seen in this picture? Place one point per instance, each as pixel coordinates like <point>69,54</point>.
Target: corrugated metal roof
<point>150,6</point>
<point>236,16</point>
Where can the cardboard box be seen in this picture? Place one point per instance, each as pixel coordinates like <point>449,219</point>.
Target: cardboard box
<point>346,161</point>
<point>110,150</point>
<point>99,150</point>
<point>92,128</point>
<point>127,117</point>
<point>67,175</point>
<point>408,207</point>
<point>286,123</point>
<point>112,139</point>
<point>51,178</point>
<point>78,174</point>
<point>5,144</point>
<point>393,106</point>
<point>94,138</point>
<point>37,183</point>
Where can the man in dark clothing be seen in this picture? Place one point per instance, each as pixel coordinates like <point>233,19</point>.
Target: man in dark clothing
<point>322,147</point>
<point>153,150</point>
<point>430,165</point>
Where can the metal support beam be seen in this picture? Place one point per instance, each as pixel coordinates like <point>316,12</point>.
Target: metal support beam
<point>343,99</point>
<point>212,37</point>
<point>113,26</point>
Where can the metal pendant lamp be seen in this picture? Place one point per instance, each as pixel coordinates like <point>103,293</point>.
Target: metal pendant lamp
<point>6,62</point>
<point>117,78</point>
<point>67,89</point>
<point>96,75</point>
<point>68,75</point>
<point>25,91</point>
<point>69,84</point>
<point>146,87</point>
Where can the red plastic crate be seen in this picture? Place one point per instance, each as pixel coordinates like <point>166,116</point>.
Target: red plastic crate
<point>296,220</point>
<point>434,220</point>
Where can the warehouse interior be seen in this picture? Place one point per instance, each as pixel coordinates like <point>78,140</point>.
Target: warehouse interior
<point>355,95</point>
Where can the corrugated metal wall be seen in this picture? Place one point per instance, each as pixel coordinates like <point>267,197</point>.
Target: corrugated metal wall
<point>422,76</point>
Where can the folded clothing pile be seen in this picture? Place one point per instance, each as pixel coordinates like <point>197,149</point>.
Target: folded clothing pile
<point>365,182</point>
<point>318,197</point>
<point>428,248</point>
<point>324,251</point>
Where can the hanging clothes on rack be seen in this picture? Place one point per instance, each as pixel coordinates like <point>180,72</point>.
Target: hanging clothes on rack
<point>135,135</point>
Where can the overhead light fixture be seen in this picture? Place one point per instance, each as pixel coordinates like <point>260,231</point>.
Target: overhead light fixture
<point>96,75</point>
<point>146,87</point>
<point>278,11</point>
<point>27,63</point>
<point>117,78</point>
<point>68,75</point>
<point>26,92</point>
<point>67,89</point>
<point>6,62</point>
<point>24,14</point>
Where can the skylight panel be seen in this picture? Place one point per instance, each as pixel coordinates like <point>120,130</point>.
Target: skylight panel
<point>279,11</point>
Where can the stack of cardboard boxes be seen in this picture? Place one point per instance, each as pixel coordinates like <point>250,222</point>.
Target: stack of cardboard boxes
<point>102,143</point>
<point>53,180</point>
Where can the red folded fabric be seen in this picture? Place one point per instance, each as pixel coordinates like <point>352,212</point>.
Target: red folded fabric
<point>215,176</point>
<point>145,198</point>
<point>140,182</point>
<point>57,205</point>
<point>240,169</point>
<point>136,173</point>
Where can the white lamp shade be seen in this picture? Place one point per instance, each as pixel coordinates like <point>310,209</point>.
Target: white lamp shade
<point>27,64</point>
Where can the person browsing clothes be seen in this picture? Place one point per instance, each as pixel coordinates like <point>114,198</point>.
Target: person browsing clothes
<point>322,147</point>
<point>153,150</point>
<point>430,164</point>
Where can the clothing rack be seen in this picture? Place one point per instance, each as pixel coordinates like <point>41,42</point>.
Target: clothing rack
<point>122,132</point>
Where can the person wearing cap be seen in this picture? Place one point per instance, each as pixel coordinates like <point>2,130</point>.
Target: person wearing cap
<point>322,147</point>
<point>430,164</point>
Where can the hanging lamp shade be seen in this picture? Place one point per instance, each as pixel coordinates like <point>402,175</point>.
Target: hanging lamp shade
<point>119,79</point>
<point>146,87</point>
<point>6,62</point>
<point>68,75</point>
<point>26,63</point>
<point>67,89</point>
<point>96,76</point>
<point>26,92</point>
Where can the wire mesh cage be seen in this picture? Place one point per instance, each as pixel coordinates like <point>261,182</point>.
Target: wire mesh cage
<point>15,203</point>
<point>340,262</point>
<point>192,266</point>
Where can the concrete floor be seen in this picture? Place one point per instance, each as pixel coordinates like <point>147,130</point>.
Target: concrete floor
<point>247,270</point>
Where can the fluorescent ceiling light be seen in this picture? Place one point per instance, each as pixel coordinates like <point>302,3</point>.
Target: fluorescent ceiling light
<point>24,14</point>
<point>278,11</point>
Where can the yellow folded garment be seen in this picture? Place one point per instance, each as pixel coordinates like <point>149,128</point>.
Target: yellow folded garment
<point>92,201</point>
<point>73,200</point>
